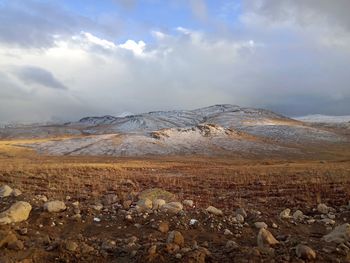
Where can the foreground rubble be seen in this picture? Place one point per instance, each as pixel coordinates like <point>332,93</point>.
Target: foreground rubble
<point>142,227</point>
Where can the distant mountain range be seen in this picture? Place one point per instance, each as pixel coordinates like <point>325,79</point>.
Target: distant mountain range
<point>219,129</point>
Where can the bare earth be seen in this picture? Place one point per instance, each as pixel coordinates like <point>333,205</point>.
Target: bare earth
<point>117,232</point>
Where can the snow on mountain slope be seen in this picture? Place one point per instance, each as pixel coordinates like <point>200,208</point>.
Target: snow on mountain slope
<point>230,116</point>
<point>202,139</point>
<point>324,118</point>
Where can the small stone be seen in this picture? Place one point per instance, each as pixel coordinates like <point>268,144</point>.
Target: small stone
<point>86,249</point>
<point>305,252</point>
<point>298,215</point>
<point>158,203</point>
<point>178,256</point>
<point>127,204</point>
<point>323,208</point>
<point>5,191</point>
<point>227,232</point>
<point>285,214</point>
<point>16,192</point>
<point>240,218</point>
<point>97,207</point>
<point>96,219</point>
<point>172,207</point>
<point>328,221</point>
<point>265,238</point>
<point>188,203</point>
<point>163,227</point>
<point>143,205</point>
<point>260,225</point>
<point>242,212</point>
<point>71,246</point>
<point>213,210</point>
<point>194,222</point>
<point>176,238</point>
<point>274,225</point>
<point>128,217</point>
<point>230,244</point>
<point>54,206</point>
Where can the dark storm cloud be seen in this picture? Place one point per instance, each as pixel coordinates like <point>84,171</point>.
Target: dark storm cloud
<point>35,75</point>
<point>304,12</point>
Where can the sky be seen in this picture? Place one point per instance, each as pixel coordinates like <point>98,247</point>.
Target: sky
<point>64,60</point>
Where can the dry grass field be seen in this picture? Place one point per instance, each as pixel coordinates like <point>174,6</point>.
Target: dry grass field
<point>265,185</point>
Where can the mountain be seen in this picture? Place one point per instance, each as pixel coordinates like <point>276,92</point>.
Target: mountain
<point>215,130</point>
<point>324,118</point>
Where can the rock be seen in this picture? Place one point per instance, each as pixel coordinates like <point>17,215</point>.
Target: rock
<point>240,218</point>
<point>200,255</point>
<point>7,237</point>
<point>298,215</point>
<point>188,203</point>
<point>108,245</point>
<point>16,245</point>
<point>230,244</point>
<point>194,222</point>
<point>172,248</point>
<point>242,212</point>
<point>266,239</point>
<point>143,205</point>
<point>54,206</point>
<point>163,227</point>
<point>227,232</point>
<point>285,214</point>
<point>18,212</point>
<point>16,192</point>
<point>41,198</point>
<point>328,221</point>
<point>340,234</point>
<point>157,193</point>
<point>158,203</point>
<point>213,210</point>
<point>305,252</point>
<point>323,209</point>
<point>71,246</point>
<point>176,238</point>
<point>97,207</point>
<point>274,225</point>
<point>86,249</point>
<point>127,204</point>
<point>110,199</point>
<point>5,191</point>
<point>260,225</point>
<point>172,207</point>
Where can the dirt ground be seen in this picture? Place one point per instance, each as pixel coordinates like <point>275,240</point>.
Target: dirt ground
<point>263,187</point>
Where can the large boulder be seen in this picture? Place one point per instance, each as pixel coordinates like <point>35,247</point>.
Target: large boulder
<point>5,191</point>
<point>54,206</point>
<point>18,212</point>
<point>157,193</point>
<point>340,234</point>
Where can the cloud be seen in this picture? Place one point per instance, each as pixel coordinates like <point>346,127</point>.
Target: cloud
<point>273,57</point>
<point>36,24</point>
<point>38,76</point>
<point>199,9</point>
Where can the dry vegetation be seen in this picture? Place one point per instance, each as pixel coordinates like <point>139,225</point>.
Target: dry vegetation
<point>266,185</point>
<point>224,181</point>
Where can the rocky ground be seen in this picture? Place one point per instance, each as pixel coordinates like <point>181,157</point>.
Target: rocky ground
<point>154,225</point>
